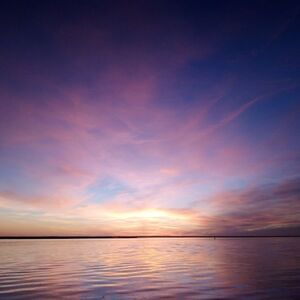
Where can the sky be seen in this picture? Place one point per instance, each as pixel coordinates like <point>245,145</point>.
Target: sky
<point>149,118</point>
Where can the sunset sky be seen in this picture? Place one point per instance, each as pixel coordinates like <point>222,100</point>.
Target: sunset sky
<point>149,117</point>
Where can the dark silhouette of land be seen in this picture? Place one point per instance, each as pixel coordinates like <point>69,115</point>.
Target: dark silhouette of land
<point>149,237</point>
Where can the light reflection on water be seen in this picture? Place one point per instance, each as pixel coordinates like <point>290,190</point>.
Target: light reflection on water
<point>190,268</point>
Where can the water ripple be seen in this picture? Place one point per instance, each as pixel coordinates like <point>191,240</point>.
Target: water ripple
<point>150,269</point>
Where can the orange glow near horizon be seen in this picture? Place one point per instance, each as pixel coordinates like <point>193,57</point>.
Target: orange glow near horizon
<point>148,214</point>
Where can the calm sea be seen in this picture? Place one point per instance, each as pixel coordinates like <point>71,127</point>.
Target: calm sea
<point>190,268</point>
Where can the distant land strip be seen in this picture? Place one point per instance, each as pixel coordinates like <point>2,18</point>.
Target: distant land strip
<point>146,236</point>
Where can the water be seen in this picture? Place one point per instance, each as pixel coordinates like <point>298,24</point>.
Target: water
<point>266,268</point>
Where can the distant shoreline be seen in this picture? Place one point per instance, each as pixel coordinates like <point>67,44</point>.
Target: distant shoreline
<point>143,237</point>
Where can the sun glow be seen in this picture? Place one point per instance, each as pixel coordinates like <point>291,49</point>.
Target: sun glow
<point>149,214</point>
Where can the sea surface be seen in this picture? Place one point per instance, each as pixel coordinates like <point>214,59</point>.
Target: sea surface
<point>156,268</point>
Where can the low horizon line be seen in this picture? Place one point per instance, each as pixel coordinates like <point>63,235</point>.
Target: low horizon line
<point>145,236</point>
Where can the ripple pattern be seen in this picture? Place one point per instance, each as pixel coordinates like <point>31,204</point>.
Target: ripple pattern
<point>159,268</point>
